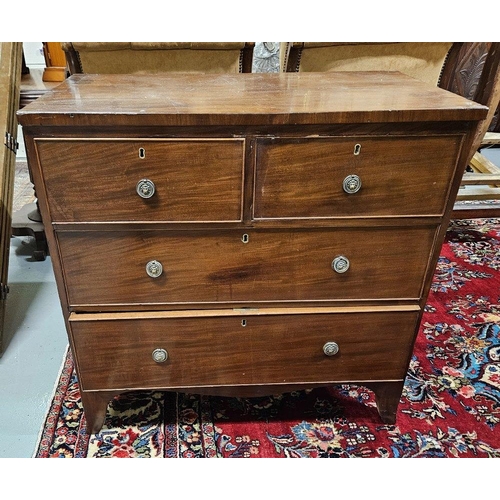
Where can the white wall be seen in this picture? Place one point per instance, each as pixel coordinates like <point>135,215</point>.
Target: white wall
<point>33,54</point>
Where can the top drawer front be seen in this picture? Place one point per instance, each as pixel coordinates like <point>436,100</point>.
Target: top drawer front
<point>303,178</point>
<point>96,180</point>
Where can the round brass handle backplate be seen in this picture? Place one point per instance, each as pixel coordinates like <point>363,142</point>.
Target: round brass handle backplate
<point>331,348</point>
<point>351,184</point>
<point>154,269</point>
<point>340,264</point>
<point>145,188</point>
<point>160,355</point>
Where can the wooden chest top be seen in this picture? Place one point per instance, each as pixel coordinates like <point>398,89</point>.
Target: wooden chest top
<point>249,99</point>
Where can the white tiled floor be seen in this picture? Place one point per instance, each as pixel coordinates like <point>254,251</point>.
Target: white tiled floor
<point>35,342</point>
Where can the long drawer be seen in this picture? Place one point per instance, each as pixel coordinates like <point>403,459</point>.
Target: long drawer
<point>120,351</point>
<point>157,180</point>
<point>158,267</point>
<point>353,176</point>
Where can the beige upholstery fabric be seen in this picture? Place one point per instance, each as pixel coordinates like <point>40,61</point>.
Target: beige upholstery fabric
<point>158,57</point>
<point>106,46</point>
<point>421,60</point>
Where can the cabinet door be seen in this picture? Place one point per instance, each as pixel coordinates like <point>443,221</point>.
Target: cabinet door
<point>10,75</point>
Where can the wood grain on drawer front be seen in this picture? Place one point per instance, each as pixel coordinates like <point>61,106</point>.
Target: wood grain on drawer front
<point>205,267</point>
<point>95,180</point>
<point>399,176</point>
<point>269,349</point>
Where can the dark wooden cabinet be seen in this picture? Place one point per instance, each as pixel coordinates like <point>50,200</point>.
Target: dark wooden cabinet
<point>10,76</point>
<point>245,234</point>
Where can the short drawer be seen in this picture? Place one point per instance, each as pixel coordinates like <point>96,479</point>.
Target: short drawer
<point>111,268</point>
<point>117,352</point>
<point>353,176</point>
<point>134,180</point>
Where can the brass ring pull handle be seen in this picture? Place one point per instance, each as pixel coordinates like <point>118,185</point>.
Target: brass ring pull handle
<point>145,188</point>
<point>340,264</point>
<point>154,269</point>
<point>160,355</point>
<point>331,348</point>
<point>351,184</point>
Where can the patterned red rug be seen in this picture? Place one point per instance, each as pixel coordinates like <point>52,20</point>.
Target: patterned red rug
<point>450,405</point>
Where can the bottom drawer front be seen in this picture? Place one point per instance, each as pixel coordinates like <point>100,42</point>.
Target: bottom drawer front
<point>117,354</point>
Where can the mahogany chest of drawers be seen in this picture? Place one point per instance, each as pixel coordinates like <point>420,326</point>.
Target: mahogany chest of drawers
<point>245,234</point>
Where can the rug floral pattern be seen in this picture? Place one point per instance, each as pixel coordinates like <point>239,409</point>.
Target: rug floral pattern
<point>450,406</point>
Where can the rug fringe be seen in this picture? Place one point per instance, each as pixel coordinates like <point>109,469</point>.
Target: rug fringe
<point>50,401</point>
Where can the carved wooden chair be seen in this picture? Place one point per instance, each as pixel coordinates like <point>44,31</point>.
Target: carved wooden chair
<point>470,69</point>
<point>419,60</point>
<point>157,57</point>
<point>473,71</point>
